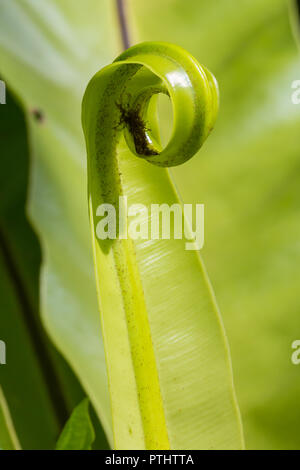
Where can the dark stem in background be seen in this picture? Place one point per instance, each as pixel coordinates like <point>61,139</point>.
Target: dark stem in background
<point>121,9</point>
<point>38,337</point>
<point>297,2</point>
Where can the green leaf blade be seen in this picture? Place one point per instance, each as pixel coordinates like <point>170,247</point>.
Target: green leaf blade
<point>161,327</point>
<point>78,433</point>
<point>8,436</point>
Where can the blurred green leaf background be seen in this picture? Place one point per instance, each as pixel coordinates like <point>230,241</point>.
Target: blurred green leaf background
<point>246,175</point>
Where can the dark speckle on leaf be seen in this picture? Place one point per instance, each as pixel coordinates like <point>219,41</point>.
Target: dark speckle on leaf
<point>38,115</point>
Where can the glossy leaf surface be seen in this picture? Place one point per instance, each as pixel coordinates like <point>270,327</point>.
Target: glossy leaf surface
<point>150,336</point>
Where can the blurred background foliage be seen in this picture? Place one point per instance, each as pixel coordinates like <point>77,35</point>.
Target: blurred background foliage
<point>40,388</point>
<point>247,175</point>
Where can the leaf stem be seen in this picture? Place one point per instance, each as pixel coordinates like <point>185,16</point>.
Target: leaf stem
<point>122,18</point>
